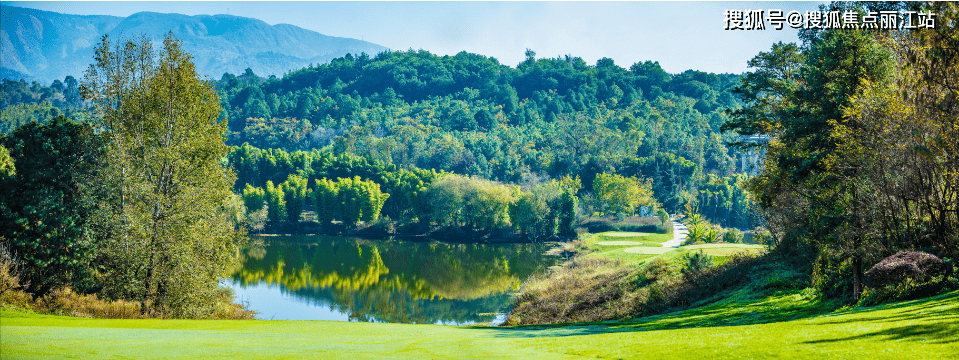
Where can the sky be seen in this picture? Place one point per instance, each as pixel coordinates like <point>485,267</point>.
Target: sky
<point>679,35</point>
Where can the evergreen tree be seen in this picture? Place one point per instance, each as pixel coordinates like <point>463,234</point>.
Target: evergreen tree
<point>45,205</point>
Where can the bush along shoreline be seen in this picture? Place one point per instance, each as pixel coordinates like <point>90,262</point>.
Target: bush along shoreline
<point>66,302</point>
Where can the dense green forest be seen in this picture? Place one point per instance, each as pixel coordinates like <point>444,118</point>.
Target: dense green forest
<point>470,115</point>
<point>398,112</point>
<point>22,103</point>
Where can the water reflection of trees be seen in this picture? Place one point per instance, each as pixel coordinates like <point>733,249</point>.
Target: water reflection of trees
<point>393,281</point>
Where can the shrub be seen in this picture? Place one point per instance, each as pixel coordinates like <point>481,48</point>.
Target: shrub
<point>590,289</point>
<point>653,271</point>
<point>763,237</point>
<point>733,236</point>
<point>908,289</point>
<point>10,267</point>
<point>663,216</point>
<point>832,274</point>
<point>712,235</point>
<point>598,225</point>
<point>904,265</point>
<point>65,302</point>
<point>632,224</point>
<point>697,232</point>
<point>783,278</point>
<point>696,263</point>
<point>256,220</point>
<point>698,287</point>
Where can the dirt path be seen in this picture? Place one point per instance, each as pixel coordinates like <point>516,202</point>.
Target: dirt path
<point>679,234</point>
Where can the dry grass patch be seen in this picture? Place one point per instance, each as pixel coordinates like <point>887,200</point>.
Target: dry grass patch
<point>583,289</point>
<point>65,302</point>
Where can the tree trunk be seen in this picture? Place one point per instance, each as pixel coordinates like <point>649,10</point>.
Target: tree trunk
<point>857,277</point>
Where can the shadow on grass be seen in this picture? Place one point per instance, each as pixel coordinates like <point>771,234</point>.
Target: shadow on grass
<point>734,314</point>
<point>935,333</point>
<point>944,307</point>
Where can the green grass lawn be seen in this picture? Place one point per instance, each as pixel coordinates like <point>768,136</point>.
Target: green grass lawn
<point>635,248</point>
<point>726,249</point>
<point>617,242</point>
<point>648,250</point>
<point>784,326</point>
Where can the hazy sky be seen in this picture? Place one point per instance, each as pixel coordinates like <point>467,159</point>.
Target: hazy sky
<point>680,35</point>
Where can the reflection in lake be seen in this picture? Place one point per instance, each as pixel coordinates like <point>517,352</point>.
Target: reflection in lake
<point>340,278</point>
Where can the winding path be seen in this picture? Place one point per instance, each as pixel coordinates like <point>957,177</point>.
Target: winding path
<point>679,234</point>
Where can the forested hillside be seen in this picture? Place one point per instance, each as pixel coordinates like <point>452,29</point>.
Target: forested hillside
<point>469,114</point>
<point>22,102</point>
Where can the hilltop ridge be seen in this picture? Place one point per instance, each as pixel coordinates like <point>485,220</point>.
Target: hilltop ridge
<point>44,45</point>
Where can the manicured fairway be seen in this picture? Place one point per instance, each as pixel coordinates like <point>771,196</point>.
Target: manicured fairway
<point>624,234</point>
<point>924,329</point>
<point>618,243</point>
<point>648,250</point>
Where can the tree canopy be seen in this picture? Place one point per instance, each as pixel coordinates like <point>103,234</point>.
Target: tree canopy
<point>858,163</point>
<point>168,235</point>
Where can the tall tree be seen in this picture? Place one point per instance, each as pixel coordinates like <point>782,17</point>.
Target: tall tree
<point>171,237</point>
<point>295,193</point>
<point>929,88</point>
<point>276,203</point>
<point>816,180</point>
<point>325,200</point>
<point>622,195</point>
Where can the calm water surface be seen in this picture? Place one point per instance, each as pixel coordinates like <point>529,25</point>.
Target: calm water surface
<point>349,279</point>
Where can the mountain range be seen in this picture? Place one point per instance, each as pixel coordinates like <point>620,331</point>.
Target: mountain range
<point>44,45</point>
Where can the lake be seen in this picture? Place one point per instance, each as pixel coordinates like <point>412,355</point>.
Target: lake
<point>351,279</point>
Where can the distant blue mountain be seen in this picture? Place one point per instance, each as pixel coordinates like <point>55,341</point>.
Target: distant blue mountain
<point>43,45</point>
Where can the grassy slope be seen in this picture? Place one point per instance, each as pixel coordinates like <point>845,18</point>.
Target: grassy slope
<point>926,329</point>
